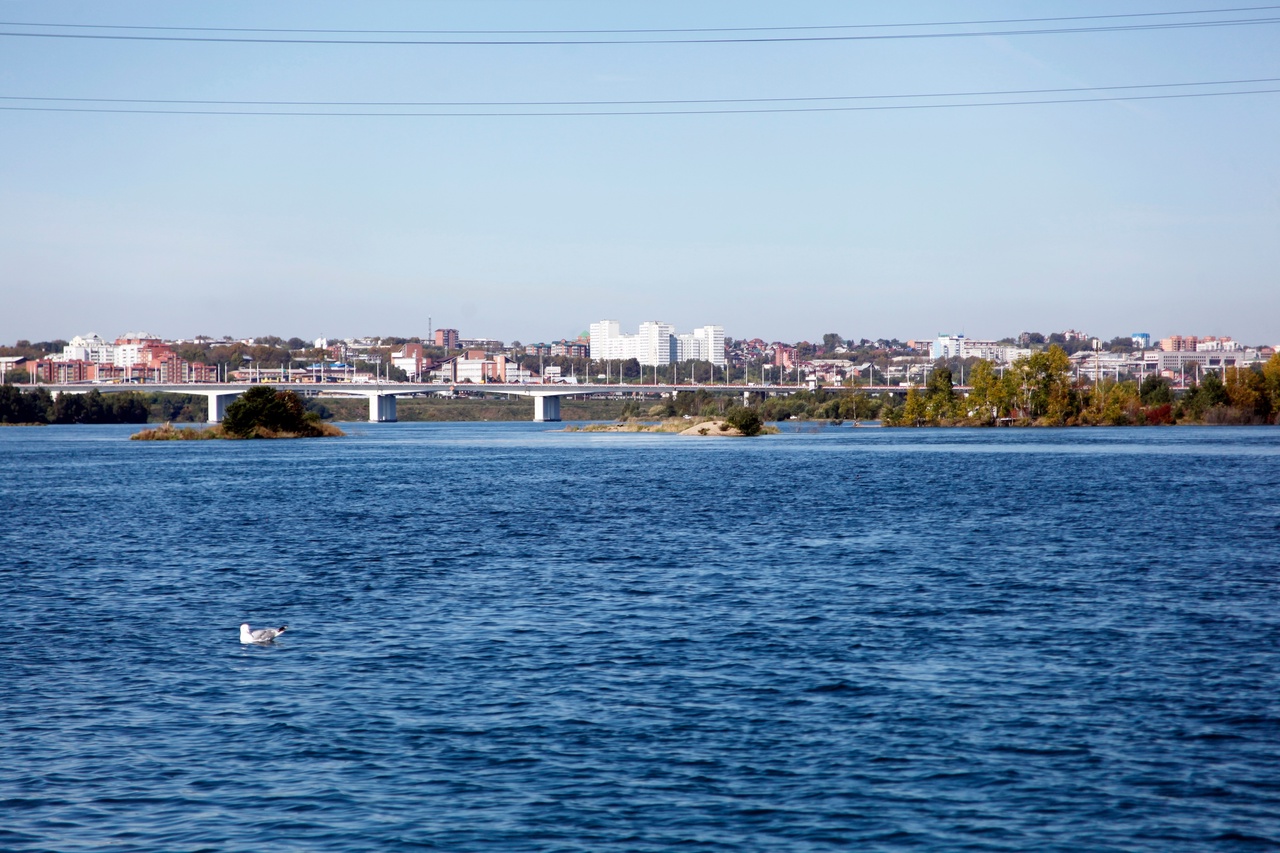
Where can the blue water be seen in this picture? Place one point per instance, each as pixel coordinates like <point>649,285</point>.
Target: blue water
<point>508,638</point>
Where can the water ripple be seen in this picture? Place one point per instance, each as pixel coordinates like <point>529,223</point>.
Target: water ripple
<point>505,638</point>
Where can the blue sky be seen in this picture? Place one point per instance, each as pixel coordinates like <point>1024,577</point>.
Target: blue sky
<point>1110,217</point>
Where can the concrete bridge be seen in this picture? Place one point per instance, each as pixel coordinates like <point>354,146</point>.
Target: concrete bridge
<point>382,395</point>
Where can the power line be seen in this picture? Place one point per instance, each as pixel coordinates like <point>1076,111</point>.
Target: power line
<point>651,102</point>
<point>645,112</point>
<point>669,31</point>
<point>505,42</point>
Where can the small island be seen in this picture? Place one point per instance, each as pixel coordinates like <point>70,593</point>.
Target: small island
<point>738,421</point>
<point>260,412</point>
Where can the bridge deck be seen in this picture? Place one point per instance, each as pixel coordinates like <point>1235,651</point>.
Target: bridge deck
<point>382,395</point>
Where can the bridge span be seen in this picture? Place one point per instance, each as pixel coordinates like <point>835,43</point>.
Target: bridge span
<point>382,396</point>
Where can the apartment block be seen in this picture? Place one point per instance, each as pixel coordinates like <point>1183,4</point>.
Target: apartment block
<point>656,343</point>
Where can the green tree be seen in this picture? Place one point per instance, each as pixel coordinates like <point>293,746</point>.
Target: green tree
<point>67,409</point>
<point>1156,391</point>
<point>97,409</point>
<point>24,407</point>
<point>862,407</point>
<point>1123,405</point>
<point>1044,385</point>
<point>262,411</point>
<point>940,390</point>
<point>892,414</point>
<point>1247,391</point>
<point>19,407</point>
<point>1271,382</point>
<point>992,395</point>
<point>983,392</point>
<point>193,352</point>
<point>1199,400</point>
<point>128,408</point>
<point>1213,391</point>
<point>745,420</point>
<point>915,409</point>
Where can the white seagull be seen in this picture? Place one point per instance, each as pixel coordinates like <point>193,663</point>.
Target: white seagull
<point>262,635</point>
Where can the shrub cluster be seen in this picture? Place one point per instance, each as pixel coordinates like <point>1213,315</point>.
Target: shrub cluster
<point>1040,390</point>
<point>264,412</point>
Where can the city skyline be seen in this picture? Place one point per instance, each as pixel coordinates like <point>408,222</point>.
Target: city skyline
<point>960,177</point>
<point>1152,339</point>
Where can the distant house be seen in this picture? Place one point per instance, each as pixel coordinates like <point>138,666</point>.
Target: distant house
<point>476,366</point>
<point>412,360</point>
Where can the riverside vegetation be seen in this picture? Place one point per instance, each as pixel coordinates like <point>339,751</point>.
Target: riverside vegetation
<point>260,412</point>
<point>38,406</point>
<point>1039,390</point>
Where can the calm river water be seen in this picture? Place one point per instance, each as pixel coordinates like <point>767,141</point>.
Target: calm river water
<point>504,637</point>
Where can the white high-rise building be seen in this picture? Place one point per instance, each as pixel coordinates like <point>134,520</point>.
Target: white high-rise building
<point>606,340</point>
<point>947,346</point>
<point>657,343</point>
<point>704,344</point>
<point>88,347</point>
<point>654,343</point>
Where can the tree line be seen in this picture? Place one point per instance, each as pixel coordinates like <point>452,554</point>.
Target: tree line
<point>40,407</point>
<point>1040,390</point>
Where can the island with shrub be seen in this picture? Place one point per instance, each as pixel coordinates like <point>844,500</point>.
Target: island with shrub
<point>738,421</point>
<point>260,412</point>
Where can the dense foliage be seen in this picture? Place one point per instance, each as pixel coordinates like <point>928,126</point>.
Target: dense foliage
<point>745,420</point>
<point>263,412</point>
<point>1039,389</point>
<point>40,407</point>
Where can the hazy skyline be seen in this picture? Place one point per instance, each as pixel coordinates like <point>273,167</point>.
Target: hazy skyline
<point>1157,215</point>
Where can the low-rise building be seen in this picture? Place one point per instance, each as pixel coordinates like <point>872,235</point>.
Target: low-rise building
<point>571,349</point>
<point>477,366</point>
<point>132,348</point>
<point>412,359</point>
<point>958,346</point>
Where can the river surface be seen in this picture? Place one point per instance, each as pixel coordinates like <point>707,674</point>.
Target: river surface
<point>503,637</point>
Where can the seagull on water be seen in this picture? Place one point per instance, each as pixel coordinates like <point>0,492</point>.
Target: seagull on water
<point>262,635</point>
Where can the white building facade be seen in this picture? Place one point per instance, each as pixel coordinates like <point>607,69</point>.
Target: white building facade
<point>958,346</point>
<point>88,347</point>
<point>704,344</point>
<point>656,343</point>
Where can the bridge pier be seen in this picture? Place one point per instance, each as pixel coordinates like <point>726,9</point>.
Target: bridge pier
<point>382,408</point>
<point>546,408</point>
<point>218,402</point>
